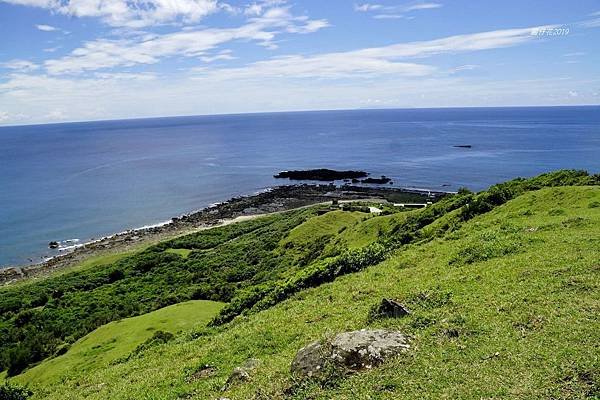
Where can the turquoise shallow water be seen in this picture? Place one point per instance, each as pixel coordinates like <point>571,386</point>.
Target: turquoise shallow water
<point>86,180</point>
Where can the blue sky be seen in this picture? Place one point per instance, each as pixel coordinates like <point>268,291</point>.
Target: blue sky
<point>73,60</point>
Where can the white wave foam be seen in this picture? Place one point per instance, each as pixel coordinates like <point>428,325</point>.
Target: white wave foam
<point>157,225</point>
<point>69,248</point>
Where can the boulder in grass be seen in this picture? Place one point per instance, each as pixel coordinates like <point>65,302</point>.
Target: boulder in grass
<point>356,350</point>
<point>241,374</point>
<point>389,308</point>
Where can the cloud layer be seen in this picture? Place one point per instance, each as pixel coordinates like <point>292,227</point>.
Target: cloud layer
<point>129,13</point>
<point>156,60</point>
<point>382,11</point>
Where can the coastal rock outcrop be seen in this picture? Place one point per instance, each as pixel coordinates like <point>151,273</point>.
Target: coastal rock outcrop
<point>356,350</point>
<point>10,274</point>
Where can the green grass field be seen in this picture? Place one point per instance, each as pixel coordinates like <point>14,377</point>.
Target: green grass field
<point>504,305</point>
<point>182,252</point>
<point>119,338</point>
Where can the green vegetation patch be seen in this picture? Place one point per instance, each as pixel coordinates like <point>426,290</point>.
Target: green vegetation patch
<point>119,338</point>
<point>182,252</point>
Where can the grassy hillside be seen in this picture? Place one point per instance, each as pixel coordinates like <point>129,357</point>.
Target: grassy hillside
<point>39,318</point>
<point>503,288</point>
<point>118,339</point>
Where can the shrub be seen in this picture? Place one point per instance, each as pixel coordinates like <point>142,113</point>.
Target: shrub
<point>13,392</point>
<point>115,275</point>
<point>263,296</point>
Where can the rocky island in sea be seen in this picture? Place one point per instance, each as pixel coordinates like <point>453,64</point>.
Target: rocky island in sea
<point>330,175</point>
<point>320,174</point>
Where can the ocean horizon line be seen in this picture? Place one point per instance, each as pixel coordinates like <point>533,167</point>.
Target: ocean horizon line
<point>298,111</point>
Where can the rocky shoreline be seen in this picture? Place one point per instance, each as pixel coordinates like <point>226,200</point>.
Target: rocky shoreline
<point>280,198</point>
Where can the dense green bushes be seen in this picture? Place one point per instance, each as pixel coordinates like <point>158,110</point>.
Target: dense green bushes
<point>13,392</point>
<point>468,205</point>
<point>261,297</point>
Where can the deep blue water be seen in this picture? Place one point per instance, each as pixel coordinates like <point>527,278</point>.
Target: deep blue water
<point>85,180</point>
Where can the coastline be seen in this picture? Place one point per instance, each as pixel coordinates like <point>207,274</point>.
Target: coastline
<point>271,200</point>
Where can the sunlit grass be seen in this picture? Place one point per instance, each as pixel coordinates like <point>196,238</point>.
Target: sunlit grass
<point>119,338</point>
<point>520,322</point>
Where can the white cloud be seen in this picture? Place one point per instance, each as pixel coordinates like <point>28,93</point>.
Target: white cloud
<point>369,62</point>
<point>104,53</point>
<point>92,98</point>
<point>395,11</point>
<point>454,44</point>
<point>129,13</point>
<point>574,54</point>
<point>56,115</point>
<point>591,23</point>
<point>126,76</point>
<point>46,28</point>
<point>257,8</point>
<point>467,67</point>
<point>101,54</point>
<point>20,65</point>
<point>222,55</point>
<point>392,16</point>
<point>367,7</point>
<point>422,6</point>
<point>326,66</point>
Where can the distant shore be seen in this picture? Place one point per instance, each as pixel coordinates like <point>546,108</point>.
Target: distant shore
<point>277,199</point>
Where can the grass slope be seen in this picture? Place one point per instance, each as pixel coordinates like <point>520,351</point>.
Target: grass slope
<point>119,338</point>
<point>504,305</point>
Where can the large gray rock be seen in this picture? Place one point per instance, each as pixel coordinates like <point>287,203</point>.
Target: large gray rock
<point>355,350</point>
<point>310,360</point>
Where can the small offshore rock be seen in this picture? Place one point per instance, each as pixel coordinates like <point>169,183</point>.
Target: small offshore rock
<point>356,350</point>
<point>53,244</point>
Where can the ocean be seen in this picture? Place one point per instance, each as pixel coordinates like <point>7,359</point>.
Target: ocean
<point>79,181</point>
